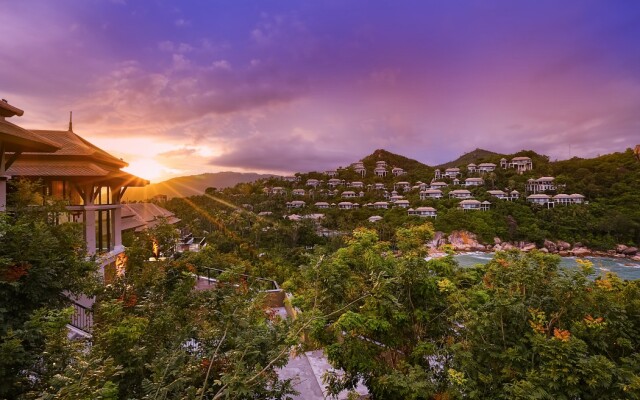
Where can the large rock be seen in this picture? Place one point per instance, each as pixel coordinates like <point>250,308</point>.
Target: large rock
<point>508,246</point>
<point>636,258</point>
<point>561,245</point>
<point>437,241</point>
<point>621,248</point>
<point>581,252</point>
<point>528,246</point>
<point>630,251</point>
<point>544,250</point>
<point>463,240</point>
<point>577,245</point>
<point>496,240</point>
<point>549,245</point>
<point>563,253</point>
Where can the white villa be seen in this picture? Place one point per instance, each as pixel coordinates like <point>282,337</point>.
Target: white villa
<point>347,194</point>
<point>298,192</point>
<point>346,205</point>
<point>296,204</point>
<point>473,182</point>
<point>486,167</point>
<point>455,181</point>
<point>402,185</point>
<point>333,182</point>
<point>452,172</point>
<point>359,168</point>
<point>331,173</point>
<point>521,164</point>
<point>471,168</point>
<point>423,212</point>
<point>381,164</point>
<point>460,194</point>
<point>541,184</point>
<point>375,218</point>
<point>397,171</point>
<point>438,174</point>
<point>542,199</point>
<point>431,194</point>
<point>485,205</point>
<point>395,198</point>
<point>470,204</point>
<point>499,194</point>
<point>313,182</point>
<point>438,185</point>
<point>381,205</point>
<point>291,178</point>
<point>565,199</point>
<point>380,171</point>
<point>379,186</point>
<point>515,195</point>
<point>321,204</point>
<point>356,184</point>
<point>402,203</point>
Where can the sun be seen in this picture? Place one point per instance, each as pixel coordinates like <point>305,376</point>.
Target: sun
<point>146,168</point>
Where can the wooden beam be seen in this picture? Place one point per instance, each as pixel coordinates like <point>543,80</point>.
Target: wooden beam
<point>12,159</point>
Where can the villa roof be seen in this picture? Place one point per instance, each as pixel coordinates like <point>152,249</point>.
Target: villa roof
<point>470,201</point>
<point>562,196</point>
<point>494,192</point>
<point>141,216</point>
<point>425,209</point>
<point>431,191</point>
<point>474,180</point>
<point>460,191</point>
<point>15,138</point>
<point>71,144</point>
<point>521,159</point>
<point>486,165</point>
<point>539,196</point>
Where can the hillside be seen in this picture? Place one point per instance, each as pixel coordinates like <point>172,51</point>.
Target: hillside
<point>476,156</point>
<point>184,186</point>
<point>393,160</point>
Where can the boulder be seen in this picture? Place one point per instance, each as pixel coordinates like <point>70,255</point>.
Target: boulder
<point>562,245</point>
<point>528,246</point>
<point>581,252</point>
<point>497,247</point>
<point>621,248</point>
<point>463,240</point>
<point>544,250</point>
<point>508,246</point>
<point>611,252</point>
<point>479,247</point>
<point>635,258</point>
<point>563,253</point>
<point>437,241</point>
<point>630,251</point>
<point>496,240</point>
<point>577,245</point>
<point>549,245</point>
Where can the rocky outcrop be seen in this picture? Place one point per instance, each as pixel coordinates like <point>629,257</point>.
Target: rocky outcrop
<point>437,241</point>
<point>528,247</point>
<point>562,246</point>
<point>580,252</point>
<point>630,251</point>
<point>550,246</point>
<point>621,248</point>
<point>464,241</point>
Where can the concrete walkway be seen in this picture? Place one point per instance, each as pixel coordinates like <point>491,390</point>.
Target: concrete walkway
<point>307,370</point>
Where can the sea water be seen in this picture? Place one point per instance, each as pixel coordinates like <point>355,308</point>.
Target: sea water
<point>624,268</point>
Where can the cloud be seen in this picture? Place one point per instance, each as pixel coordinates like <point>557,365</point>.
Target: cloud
<point>286,153</point>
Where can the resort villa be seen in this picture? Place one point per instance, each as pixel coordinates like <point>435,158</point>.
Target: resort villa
<point>460,194</point>
<point>474,182</point>
<point>430,194</point>
<point>521,164</point>
<point>86,178</point>
<point>486,167</point>
<point>546,183</point>
<point>452,172</point>
<point>423,212</point>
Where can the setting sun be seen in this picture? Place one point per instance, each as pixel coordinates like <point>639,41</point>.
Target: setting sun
<point>146,168</point>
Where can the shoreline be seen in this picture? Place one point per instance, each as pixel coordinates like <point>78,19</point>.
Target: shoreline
<point>434,254</point>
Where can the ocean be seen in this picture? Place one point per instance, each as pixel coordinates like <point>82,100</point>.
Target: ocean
<point>624,268</point>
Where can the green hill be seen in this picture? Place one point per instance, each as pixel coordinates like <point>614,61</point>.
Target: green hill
<point>476,156</point>
<point>393,160</point>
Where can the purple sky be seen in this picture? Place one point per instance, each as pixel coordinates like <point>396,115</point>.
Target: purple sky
<point>184,87</point>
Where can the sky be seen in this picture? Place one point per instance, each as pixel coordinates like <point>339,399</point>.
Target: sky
<point>192,86</point>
